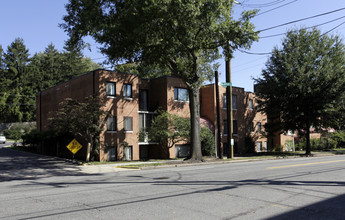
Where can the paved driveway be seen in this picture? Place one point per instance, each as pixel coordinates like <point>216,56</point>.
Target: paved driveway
<point>17,165</point>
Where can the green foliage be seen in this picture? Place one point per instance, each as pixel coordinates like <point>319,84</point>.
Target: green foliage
<point>168,129</point>
<point>142,71</point>
<point>17,131</point>
<point>317,144</point>
<point>293,84</point>
<point>14,134</point>
<point>207,142</point>
<point>339,137</point>
<point>183,37</point>
<point>22,77</point>
<point>81,119</point>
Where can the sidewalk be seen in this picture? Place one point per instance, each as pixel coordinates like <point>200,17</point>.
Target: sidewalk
<point>142,165</point>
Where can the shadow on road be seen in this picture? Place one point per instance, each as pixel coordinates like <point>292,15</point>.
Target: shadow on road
<point>17,165</point>
<point>327,209</point>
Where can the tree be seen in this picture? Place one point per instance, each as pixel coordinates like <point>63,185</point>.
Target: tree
<point>16,79</point>
<point>174,35</point>
<point>303,82</point>
<point>168,129</point>
<point>82,120</point>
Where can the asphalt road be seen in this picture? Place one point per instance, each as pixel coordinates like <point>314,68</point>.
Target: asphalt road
<point>36,187</point>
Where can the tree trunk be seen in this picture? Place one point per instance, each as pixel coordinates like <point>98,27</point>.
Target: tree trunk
<point>307,139</point>
<point>194,106</point>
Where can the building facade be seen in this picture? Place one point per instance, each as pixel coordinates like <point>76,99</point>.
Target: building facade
<point>248,123</point>
<point>131,102</point>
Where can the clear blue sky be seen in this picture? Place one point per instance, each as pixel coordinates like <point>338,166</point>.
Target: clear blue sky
<point>36,21</point>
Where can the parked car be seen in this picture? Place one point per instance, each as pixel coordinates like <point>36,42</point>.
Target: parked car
<point>2,139</point>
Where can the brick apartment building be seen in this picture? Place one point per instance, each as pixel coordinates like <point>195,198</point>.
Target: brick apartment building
<point>248,123</point>
<point>131,102</point>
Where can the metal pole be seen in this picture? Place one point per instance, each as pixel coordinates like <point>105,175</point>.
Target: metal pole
<point>219,130</point>
<point>229,104</point>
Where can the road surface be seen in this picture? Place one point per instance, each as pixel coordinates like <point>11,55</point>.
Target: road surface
<point>37,187</point>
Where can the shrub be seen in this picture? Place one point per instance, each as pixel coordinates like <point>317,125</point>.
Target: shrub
<point>207,142</point>
<point>339,138</point>
<point>317,144</point>
<point>13,133</point>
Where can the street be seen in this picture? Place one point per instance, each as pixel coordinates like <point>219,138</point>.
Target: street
<point>39,187</point>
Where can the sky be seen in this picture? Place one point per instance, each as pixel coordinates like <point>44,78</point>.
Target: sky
<point>36,21</point>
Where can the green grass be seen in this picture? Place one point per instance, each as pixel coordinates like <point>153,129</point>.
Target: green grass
<point>138,166</point>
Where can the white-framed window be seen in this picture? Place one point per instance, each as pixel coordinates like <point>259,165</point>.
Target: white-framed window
<point>110,89</point>
<point>128,124</point>
<point>250,104</point>
<point>258,127</point>
<point>127,90</point>
<point>258,146</point>
<point>181,94</point>
<point>111,123</point>
<point>265,147</point>
<point>128,153</point>
<point>234,101</point>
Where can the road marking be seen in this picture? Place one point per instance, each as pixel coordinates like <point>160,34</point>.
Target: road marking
<point>305,164</point>
<point>279,206</point>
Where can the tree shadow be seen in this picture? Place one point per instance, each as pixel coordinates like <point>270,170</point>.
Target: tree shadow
<point>332,208</point>
<point>27,166</point>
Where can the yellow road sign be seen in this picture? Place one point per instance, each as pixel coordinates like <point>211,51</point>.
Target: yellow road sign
<point>74,146</point>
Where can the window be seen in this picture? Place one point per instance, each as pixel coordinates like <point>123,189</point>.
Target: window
<point>234,101</point>
<point>143,100</point>
<point>258,146</point>
<point>110,88</point>
<point>250,104</point>
<point>259,127</point>
<point>181,94</point>
<point>251,127</point>
<point>234,127</point>
<point>265,147</point>
<point>145,120</point>
<point>111,123</point>
<point>127,90</point>
<point>128,124</point>
<point>127,153</point>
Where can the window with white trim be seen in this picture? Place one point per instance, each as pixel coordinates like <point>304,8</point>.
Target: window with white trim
<point>181,94</point>
<point>127,90</point>
<point>258,128</point>
<point>128,124</point>
<point>111,123</point>
<point>110,89</point>
<point>250,104</point>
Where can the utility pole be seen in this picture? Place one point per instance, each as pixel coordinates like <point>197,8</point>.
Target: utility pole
<point>229,104</point>
<point>219,130</point>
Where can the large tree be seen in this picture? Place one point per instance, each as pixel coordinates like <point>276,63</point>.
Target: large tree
<point>303,83</point>
<point>15,79</point>
<point>81,120</point>
<point>177,35</point>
